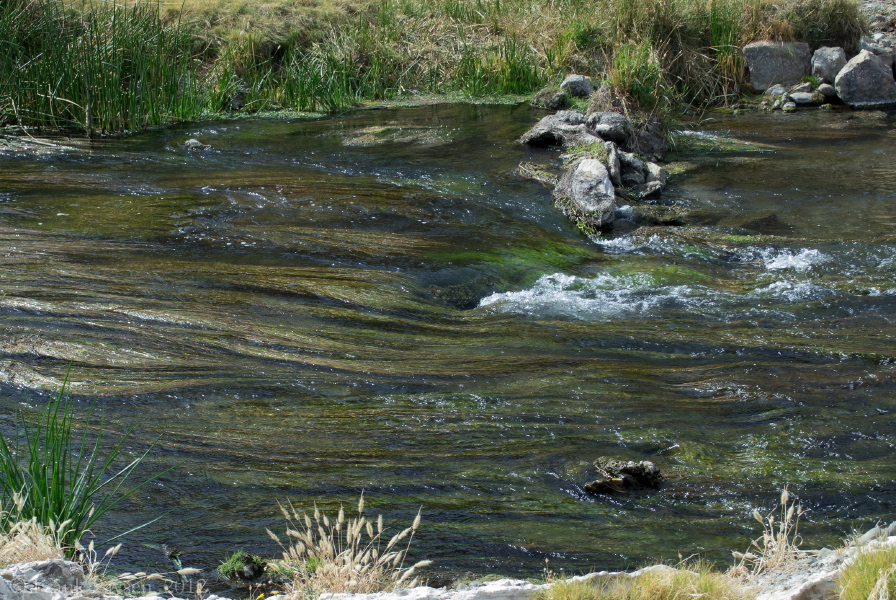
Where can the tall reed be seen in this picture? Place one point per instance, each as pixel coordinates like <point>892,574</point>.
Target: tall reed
<point>107,68</point>
<point>58,480</point>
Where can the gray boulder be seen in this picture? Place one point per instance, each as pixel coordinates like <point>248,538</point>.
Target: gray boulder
<point>886,55</point>
<point>577,86</point>
<point>565,128</point>
<point>776,62</point>
<point>776,90</point>
<point>551,99</point>
<point>866,82</point>
<point>806,98</point>
<point>632,169</point>
<point>656,173</point>
<point>828,91</point>
<point>827,62</point>
<point>614,165</point>
<point>610,126</point>
<point>586,193</point>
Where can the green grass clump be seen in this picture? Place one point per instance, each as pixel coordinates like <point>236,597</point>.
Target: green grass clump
<point>872,575</point>
<point>58,480</point>
<point>108,69</point>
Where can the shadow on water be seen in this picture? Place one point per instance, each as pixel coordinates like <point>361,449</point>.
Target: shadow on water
<point>380,302</point>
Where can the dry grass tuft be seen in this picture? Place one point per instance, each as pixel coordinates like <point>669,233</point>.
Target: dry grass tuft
<point>27,541</point>
<point>871,576</point>
<point>779,543</point>
<point>336,555</point>
<point>689,581</point>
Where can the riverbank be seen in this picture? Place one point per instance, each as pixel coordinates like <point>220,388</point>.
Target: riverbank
<point>217,56</point>
<point>860,570</point>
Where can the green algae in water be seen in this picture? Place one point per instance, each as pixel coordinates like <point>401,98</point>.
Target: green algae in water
<point>266,311</point>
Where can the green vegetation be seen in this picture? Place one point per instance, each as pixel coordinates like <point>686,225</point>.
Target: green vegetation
<point>872,575</point>
<point>59,481</point>
<point>118,65</point>
<point>106,69</point>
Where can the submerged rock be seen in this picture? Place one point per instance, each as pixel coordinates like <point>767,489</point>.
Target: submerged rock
<point>195,145</point>
<point>866,82</point>
<point>617,476</point>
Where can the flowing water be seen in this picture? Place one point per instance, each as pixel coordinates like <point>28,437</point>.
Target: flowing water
<point>379,302</point>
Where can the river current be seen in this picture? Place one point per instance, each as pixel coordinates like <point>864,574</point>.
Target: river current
<point>380,302</point>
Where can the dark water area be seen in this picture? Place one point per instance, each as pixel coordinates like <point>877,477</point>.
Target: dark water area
<point>379,302</point>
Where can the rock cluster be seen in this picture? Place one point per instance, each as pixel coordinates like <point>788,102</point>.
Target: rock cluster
<point>608,158</point>
<point>58,579</point>
<point>865,80</point>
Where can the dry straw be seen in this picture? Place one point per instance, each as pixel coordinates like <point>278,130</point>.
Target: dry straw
<point>779,543</point>
<point>324,554</point>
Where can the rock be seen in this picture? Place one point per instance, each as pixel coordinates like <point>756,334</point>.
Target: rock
<point>577,86</point>
<point>776,90</point>
<point>195,145</point>
<point>865,81</point>
<point>632,169</point>
<point>617,476</point>
<point>650,141</point>
<point>614,165</point>
<point>776,105</point>
<point>883,53</point>
<point>648,190</point>
<point>870,535</point>
<point>565,128</point>
<point>776,62</point>
<point>803,88</point>
<point>656,173</point>
<point>586,193</point>
<point>789,106</point>
<point>54,573</point>
<point>551,99</point>
<point>827,62</point>
<point>610,126</point>
<point>827,90</point>
<point>806,98</point>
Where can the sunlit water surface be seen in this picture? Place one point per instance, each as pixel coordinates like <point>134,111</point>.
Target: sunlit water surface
<point>379,302</point>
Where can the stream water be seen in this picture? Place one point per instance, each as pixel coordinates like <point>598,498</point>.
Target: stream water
<point>379,302</point>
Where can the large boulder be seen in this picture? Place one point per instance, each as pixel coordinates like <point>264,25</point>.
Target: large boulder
<point>585,193</point>
<point>610,126</point>
<point>776,62</point>
<point>866,82</point>
<point>577,86</point>
<point>827,62</point>
<point>565,128</point>
<point>885,54</point>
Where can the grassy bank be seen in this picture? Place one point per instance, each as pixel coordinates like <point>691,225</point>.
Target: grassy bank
<point>101,65</point>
